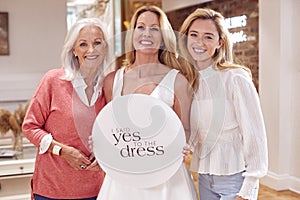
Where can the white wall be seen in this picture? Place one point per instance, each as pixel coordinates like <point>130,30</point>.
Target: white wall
<point>295,85</point>
<point>279,53</point>
<point>36,34</point>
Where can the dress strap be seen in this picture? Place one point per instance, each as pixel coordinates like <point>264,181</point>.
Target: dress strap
<point>165,89</point>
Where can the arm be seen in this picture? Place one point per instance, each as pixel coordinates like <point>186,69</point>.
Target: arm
<point>250,118</point>
<point>182,104</point>
<point>37,113</point>
<point>108,86</point>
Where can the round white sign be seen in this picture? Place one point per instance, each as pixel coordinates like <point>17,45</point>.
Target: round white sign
<point>138,140</point>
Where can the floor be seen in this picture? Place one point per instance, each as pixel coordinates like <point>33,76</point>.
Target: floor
<point>266,193</point>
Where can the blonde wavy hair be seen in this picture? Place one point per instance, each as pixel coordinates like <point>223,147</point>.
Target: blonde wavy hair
<point>167,53</point>
<point>223,58</point>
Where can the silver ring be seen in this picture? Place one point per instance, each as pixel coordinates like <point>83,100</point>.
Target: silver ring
<point>83,166</point>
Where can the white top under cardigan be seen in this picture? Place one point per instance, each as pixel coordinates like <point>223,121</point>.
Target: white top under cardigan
<point>226,117</point>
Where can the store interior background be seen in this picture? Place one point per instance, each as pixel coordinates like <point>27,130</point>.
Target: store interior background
<point>37,30</point>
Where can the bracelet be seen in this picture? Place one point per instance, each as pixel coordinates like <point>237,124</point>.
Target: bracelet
<point>56,150</point>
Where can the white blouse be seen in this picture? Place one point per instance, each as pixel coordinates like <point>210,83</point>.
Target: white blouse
<point>228,131</point>
<point>80,86</point>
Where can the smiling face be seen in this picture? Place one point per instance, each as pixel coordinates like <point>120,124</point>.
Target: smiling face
<point>202,41</point>
<point>147,36</point>
<point>90,47</point>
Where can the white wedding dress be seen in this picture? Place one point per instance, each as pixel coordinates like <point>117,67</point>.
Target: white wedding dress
<point>179,187</point>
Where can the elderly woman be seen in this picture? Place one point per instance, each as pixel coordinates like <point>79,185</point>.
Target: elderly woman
<point>61,116</point>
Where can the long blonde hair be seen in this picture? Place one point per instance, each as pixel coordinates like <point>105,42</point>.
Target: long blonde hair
<point>167,52</point>
<point>223,57</point>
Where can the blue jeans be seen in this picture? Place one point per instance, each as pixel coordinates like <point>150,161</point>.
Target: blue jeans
<point>213,187</point>
<point>39,197</point>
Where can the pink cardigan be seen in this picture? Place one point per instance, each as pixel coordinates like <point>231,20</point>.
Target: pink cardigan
<point>50,111</point>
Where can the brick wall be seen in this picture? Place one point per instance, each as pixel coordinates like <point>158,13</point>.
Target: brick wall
<point>245,53</point>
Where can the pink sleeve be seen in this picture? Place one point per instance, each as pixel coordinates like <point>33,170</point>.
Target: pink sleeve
<point>37,113</point>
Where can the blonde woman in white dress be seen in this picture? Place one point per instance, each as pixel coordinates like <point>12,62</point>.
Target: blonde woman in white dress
<point>151,68</point>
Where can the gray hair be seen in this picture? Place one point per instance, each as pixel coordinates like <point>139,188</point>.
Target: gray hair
<point>68,59</point>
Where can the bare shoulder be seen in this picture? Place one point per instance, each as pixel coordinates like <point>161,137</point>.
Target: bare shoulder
<point>182,86</point>
<point>181,81</point>
<point>108,85</point>
<point>109,78</point>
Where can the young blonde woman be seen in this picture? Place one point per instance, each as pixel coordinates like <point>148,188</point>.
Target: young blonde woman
<point>230,145</point>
